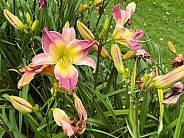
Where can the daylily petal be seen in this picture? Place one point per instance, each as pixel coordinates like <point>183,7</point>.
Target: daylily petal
<point>88,61</point>
<point>116,12</point>
<point>82,114</point>
<point>26,78</point>
<point>68,34</point>
<point>120,16</point>
<point>43,58</point>
<point>48,71</point>
<point>118,32</point>
<point>64,121</point>
<point>67,76</point>
<point>138,35</point>
<point>131,7</point>
<point>78,49</point>
<point>53,43</point>
<point>134,45</point>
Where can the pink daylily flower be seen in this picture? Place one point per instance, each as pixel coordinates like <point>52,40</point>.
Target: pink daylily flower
<point>121,34</point>
<point>64,51</point>
<point>127,37</point>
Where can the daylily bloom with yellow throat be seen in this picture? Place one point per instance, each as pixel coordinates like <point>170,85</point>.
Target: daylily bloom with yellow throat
<point>127,37</point>
<point>122,35</point>
<point>64,50</point>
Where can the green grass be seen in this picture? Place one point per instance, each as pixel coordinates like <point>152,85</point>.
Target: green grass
<point>162,21</point>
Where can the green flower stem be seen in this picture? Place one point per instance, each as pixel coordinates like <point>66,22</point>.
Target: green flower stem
<point>160,96</point>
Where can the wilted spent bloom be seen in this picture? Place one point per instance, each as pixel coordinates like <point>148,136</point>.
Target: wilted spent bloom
<point>21,104</point>
<point>42,3</point>
<point>103,52</point>
<point>130,54</point>
<point>178,61</point>
<point>84,31</point>
<point>141,53</point>
<point>13,20</point>
<point>31,70</point>
<point>117,58</point>
<point>169,79</point>
<point>171,47</point>
<point>174,93</point>
<point>82,114</point>
<point>63,120</point>
<point>83,7</point>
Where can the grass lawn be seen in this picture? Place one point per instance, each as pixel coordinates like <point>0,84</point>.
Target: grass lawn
<point>162,21</point>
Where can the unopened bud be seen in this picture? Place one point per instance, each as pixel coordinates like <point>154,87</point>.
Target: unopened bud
<point>129,55</point>
<point>67,25</point>
<point>34,25</point>
<point>21,104</point>
<point>117,58</point>
<point>103,52</point>
<point>97,2</point>
<point>105,29</point>
<point>28,17</point>
<point>84,31</point>
<point>171,47</point>
<point>168,79</point>
<point>83,7</point>
<point>13,20</point>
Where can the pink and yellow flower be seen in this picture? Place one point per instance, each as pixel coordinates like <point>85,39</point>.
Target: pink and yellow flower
<point>64,50</point>
<point>122,35</point>
<point>127,37</point>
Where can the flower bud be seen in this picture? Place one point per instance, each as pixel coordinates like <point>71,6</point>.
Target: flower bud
<point>171,47</point>
<point>105,29</point>
<point>131,7</point>
<point>34,25</point>
<point>103,52</point>
<point>97,2</point>
<point>117,58</point>
<point>83,7</point>
<point>129,55</point>
<point>13,20</point>
<point>84,31</point>
<point>168,79</point>
<point>28,17</point>
<point>21,104</point>
<point>67,25</point>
